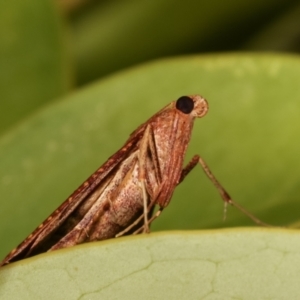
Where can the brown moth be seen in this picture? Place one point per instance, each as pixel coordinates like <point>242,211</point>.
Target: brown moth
<point>119,198</point>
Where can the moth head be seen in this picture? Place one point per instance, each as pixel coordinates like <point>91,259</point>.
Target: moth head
<point>194,105</point>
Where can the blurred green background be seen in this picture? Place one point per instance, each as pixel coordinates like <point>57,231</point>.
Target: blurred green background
<point>57,56</point>
<point>49,48</point>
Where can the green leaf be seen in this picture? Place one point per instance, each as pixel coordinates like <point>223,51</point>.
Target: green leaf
<point>249,139</point>
<point>34,68</point>
<point>212,264</point>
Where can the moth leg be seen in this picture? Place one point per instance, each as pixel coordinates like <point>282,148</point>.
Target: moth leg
<point>157,214</point>
<point>135,223</point>
<point>184,173</point>
<point>223,193</point>
<point>145,206</point>
<point>142,157</point>
<point>147,145</point>
<point>189,167</point>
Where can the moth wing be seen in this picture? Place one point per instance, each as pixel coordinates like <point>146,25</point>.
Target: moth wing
<point>68,206</point>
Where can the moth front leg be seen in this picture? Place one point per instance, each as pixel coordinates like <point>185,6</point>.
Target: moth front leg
<point>223,193</point>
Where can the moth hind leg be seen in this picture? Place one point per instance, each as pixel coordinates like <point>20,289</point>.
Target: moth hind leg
<point>137,226</point>
<point>150,220</point>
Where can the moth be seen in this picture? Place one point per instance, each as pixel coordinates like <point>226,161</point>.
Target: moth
<point>119,198</point>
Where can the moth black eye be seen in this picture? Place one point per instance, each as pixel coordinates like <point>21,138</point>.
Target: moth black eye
<point>185,104</point>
